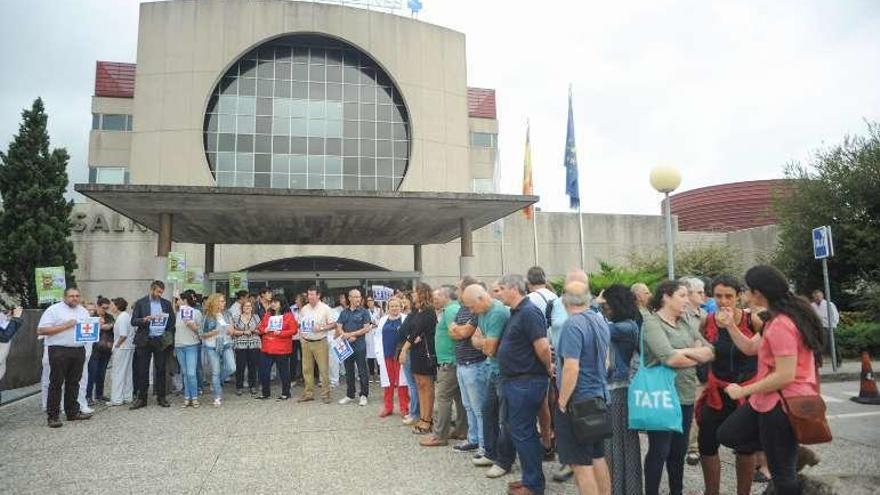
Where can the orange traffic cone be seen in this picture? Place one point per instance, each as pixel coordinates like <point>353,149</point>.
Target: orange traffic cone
<point>867,389</point>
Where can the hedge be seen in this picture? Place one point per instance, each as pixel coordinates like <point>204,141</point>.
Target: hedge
<point>854,338</point>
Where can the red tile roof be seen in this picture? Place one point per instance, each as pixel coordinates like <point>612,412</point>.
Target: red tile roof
<point>481,103</point>
<point>114,79</point>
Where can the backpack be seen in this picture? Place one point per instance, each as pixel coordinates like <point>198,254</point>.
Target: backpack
<point>548,308</point>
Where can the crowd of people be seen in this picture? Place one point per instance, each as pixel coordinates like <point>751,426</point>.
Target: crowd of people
<point>500,371</point>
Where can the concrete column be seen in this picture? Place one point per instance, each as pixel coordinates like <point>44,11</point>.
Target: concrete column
<point>417,257</point>
<point>164,244</point>
<point>209,258</point>
<point>467,261</point>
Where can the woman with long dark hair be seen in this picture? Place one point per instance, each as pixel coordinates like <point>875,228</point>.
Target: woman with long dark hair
<point>277,330</point>
<point>623,449</point>
<point>786,368</point>
<point>419,347</point>
<point>672,341</point>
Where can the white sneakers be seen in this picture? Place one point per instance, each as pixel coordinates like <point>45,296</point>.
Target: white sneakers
<point>345,400</point>
<point>363,401</point>
<point>480,460</point>
<point>86,410</point>
<point>218,402</point>
<point>495,471</point>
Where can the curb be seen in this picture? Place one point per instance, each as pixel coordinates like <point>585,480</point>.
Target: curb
<point>25,396</point>
<point>840,377</point>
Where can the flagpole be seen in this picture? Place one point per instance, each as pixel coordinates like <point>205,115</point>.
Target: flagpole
<point>535,233</point>
<point>502,251</point>
<point>581,232</point>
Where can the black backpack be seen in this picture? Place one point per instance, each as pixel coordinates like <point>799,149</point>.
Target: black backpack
<point>548,308</point>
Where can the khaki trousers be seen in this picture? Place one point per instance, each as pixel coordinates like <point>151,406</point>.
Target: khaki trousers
<point>315,351</point>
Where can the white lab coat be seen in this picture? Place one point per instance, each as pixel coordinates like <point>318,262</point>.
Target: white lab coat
<point>380,354</point>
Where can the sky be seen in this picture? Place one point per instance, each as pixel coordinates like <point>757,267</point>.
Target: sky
<point>723,91</point>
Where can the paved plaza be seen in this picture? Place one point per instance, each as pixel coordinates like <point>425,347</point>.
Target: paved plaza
<point>251,446</point>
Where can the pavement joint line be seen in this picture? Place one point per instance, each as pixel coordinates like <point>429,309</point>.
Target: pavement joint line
<point>213,464</point>
<point>829,398</point>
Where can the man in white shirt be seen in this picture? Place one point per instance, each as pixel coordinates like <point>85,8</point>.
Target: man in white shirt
<point>66,356</point>
<point>235,309</point>
<point>821,307</point>
<point>316,318</point>
<point>547,302</point>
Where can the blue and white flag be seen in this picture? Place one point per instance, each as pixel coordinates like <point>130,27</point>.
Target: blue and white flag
<point>571,163</point>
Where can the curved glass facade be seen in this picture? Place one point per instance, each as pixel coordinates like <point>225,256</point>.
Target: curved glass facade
<point>307,112</point>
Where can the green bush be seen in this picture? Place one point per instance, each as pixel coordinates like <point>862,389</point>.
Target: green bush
<point>700,261</point>
<point>610,274</point>
<point>852,339</point>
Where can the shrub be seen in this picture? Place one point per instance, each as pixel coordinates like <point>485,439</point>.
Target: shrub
<point>609,274</point>
<point>701,261</point>
<point>852,339</point>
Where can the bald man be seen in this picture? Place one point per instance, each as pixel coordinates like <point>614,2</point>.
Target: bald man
<point>492,316</point>
<point>581,375</point>
<point>563,471</point>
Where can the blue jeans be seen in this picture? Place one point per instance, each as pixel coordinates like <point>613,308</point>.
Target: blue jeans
<point>472,381</point>
<point>218,371</point>
<point>413,390</point>
<point>188,359</point>
<point>524,396</point>
<point>668,448</point>
<point>359,359</point>
<point>496,436</point>
<point>97,370</point>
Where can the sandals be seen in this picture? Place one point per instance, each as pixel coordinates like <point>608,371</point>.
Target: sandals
<point>424,426</point>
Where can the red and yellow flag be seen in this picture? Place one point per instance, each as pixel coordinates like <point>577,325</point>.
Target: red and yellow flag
<point>528,211</point>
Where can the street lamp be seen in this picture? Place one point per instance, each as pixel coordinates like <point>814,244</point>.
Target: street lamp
<point>666,179</point>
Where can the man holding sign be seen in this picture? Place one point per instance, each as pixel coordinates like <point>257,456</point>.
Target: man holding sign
<point>67,327</point>
<point>152,317</point>
<point>316,319</point>
<point>354,322</point>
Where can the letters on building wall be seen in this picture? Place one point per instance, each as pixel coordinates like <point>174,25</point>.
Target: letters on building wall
<point>85,223</point>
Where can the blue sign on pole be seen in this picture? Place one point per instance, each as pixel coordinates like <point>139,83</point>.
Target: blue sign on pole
<point>823,247</point>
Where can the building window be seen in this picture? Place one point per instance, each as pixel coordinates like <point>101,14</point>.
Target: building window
<point>111,122</point>
<point>307,112</point>
<point>483,186</point>
<point>484,140</point>
<point>108,175</point>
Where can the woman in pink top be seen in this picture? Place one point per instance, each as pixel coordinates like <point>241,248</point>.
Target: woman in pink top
<point>785,366</point>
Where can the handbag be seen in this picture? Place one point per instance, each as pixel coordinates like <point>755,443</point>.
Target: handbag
<point>589,417</point>
<point>652,398</point>
<point>807,417</point>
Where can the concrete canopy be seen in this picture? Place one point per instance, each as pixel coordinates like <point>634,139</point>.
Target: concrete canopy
<point>244,215</point>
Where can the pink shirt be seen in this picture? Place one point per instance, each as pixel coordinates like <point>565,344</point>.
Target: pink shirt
<point>782,338</point>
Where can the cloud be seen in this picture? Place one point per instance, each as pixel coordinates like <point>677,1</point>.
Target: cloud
<point>725,91</point>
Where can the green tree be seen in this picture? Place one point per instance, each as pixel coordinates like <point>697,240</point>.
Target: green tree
<point>35,220</point>
<point>840,187</point>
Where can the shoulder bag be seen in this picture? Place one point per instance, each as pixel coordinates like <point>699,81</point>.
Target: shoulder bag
<point>807,417</point>
<point>590,419</point>
<point>652,398</point>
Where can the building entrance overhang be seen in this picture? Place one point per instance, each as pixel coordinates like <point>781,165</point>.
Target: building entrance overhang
<point>233,215</point>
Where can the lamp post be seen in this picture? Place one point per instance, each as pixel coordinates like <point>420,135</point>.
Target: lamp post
<point>666,179</point>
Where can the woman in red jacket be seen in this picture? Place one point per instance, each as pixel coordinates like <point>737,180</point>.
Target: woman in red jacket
<point>277,329</point>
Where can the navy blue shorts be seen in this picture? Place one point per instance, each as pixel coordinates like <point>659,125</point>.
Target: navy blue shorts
<point>567,447</point>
